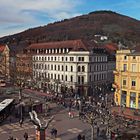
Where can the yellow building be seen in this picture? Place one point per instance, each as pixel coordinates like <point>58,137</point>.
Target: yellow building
<point>127,79</point>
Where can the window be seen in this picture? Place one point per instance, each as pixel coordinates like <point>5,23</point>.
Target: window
<point>54,67</point>
<point>58,76</point>
<point>66,68</point>
<point>51,76</point>
<point>71,58</point>
<point>133,83</point>
<point>71,68</point>
<point>51,67</point>
<point>62,58</point>
<point>83,69</point>
<point>66,58</point>
<point>79,68</point>
<point>66,78</point>
<point>133,67</point>
<point>134,57</point>
<point>123,98</point>
<point>71,78</point>
<point>58,67</point>
<point>90,78</point>
<point>78,79</point>
<point>82,79</point>
<point>62,68</point>
<point>62,78</point>
<point>80,58</point>
<point>124,82</point>
<point>125,57</point>
<point>90,68</point>
<point>132,99</point>
<point>125,67</point>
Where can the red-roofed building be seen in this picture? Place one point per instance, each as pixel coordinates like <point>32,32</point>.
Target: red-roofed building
<point>4,61</point>
<point>76,66</point>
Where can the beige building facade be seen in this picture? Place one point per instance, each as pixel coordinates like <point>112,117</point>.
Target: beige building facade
<point>127,79</point>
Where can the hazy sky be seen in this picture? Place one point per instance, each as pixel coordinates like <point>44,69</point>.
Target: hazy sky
<point>19,15</point>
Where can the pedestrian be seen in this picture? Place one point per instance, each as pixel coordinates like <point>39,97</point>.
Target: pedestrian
<point>55,132</point>
<point>79,137</point>
<point>26,136</point>
<point>83,137</point>
<point>21,122</point>
<point>52,132</point>
<point>98,131</point>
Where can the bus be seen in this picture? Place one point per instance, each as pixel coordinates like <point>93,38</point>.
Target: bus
<point>2,83</point>
<point>6,108</point>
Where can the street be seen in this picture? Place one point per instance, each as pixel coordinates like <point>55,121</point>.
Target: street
<point>68,128</point>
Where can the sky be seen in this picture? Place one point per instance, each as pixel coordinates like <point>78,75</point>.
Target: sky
<point>20,15</point>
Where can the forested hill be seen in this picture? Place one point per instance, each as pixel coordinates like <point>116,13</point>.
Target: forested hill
<point>115,26</point>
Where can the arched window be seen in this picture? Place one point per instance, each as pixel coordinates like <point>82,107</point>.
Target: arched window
<point>66,68</point>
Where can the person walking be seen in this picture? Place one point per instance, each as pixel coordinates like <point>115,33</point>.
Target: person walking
<point>98,131</point>
<point>79,137</point>
<point>26,136</point>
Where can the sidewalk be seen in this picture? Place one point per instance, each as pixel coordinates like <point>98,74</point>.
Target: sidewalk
<point>125,112</point>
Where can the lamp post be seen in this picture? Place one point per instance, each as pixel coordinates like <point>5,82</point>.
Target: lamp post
<point>40,128</point>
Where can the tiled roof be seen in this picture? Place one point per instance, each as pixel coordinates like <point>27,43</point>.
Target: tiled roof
<point>111,47</point>
<point>2,47</point>
<point>75,45</point>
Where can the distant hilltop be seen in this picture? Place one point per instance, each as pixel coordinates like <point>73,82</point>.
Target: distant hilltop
<point>113,28</point>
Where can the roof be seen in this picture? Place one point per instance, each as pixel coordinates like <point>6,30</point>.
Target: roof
<point>2,47</point>
<point>5,103</point>
<point>111,47</point>
<point>76,45</point>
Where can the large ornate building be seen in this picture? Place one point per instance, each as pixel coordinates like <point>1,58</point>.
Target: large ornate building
<point>4,61</point>
<point>72,66</point>
<point>127,79</point>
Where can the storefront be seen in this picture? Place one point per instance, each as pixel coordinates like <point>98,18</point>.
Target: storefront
<point>123,98</point>
<point>139,101</point>
<point>132,100</point>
